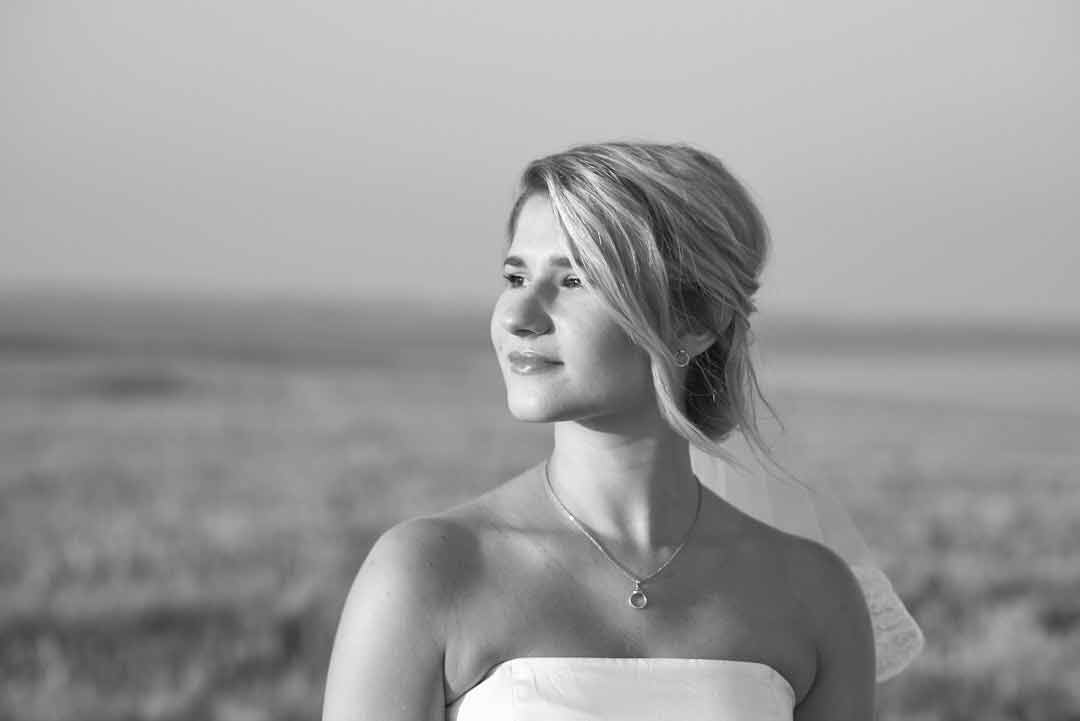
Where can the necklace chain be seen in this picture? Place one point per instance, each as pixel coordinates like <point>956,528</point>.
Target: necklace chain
<point>630,574</point>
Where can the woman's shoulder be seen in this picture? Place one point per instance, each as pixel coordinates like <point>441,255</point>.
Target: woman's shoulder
<point>418,560</point>
<point>402,608</point>
<point>815,571</point>
<point>829,594</point>
<point>452,541</point>
<point>814,575</point>
<point>431,540</point>
<point>814,566</point>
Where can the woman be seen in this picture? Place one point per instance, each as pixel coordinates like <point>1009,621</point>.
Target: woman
<point>607,582</point>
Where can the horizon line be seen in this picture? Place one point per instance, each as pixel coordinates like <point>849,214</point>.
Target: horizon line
<point>344,299</point>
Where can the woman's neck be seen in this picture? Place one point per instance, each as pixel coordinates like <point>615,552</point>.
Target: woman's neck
<point>637,490</point>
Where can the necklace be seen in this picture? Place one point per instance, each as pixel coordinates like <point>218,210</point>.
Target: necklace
<point>637,599</point>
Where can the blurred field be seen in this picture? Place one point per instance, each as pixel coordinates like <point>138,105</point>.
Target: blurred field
<point>186,493</point>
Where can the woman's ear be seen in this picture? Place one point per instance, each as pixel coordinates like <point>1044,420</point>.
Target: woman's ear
<point>697,343</point>
<point>698,334</point>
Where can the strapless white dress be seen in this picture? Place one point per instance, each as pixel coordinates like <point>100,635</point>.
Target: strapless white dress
<point>626,689</point>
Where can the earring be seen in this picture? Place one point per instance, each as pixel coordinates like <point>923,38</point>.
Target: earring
<point>682,358</point>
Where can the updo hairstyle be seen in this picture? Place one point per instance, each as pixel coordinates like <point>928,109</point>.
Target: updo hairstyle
<point>671,242</point>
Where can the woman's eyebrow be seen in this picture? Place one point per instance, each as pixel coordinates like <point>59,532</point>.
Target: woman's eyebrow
<point>560,261</point>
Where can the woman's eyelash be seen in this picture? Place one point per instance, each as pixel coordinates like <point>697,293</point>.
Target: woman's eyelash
<point>512,277</point>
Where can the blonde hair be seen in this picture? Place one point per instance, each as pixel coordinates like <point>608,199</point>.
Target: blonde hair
<point>672,243</point>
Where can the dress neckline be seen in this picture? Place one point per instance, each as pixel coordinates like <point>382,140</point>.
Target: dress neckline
<point>633,660</point>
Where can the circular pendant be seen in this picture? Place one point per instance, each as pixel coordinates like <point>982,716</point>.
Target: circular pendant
<point>638,599</point>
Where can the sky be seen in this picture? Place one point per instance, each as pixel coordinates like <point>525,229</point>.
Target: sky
<point>913,160</point>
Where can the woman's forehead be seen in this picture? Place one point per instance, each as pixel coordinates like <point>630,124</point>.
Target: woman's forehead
<point>537,222</point>
<point>539,238</point>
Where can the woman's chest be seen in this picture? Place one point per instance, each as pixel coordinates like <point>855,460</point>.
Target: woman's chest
<point>549,604</point>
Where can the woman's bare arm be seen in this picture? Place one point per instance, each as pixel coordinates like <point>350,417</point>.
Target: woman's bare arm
<point>387,662</point>
<point>844,682</point>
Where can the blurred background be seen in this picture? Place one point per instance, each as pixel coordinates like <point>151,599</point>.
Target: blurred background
<point>248,252</point>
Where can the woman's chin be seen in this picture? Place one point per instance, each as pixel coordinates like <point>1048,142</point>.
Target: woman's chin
<point>529,413</point>
<point>536,410</point>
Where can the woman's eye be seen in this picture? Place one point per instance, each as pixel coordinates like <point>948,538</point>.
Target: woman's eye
<point>514,281</point>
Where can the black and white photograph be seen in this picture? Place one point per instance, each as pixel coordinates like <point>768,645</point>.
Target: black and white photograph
<point>554,361</point>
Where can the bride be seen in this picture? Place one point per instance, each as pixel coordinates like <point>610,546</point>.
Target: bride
<point>640,571</point>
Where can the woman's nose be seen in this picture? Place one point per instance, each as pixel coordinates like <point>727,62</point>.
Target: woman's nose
<point>524,314</point>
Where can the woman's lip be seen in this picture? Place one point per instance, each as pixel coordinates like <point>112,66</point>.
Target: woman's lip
<point>532,365</point>
<point>527,357</point>
<point>530,362</point>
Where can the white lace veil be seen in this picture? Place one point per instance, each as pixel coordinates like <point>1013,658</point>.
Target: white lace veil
<point>817,514</point>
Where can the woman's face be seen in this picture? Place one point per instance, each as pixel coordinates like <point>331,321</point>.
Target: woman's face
<point>562,355</point>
